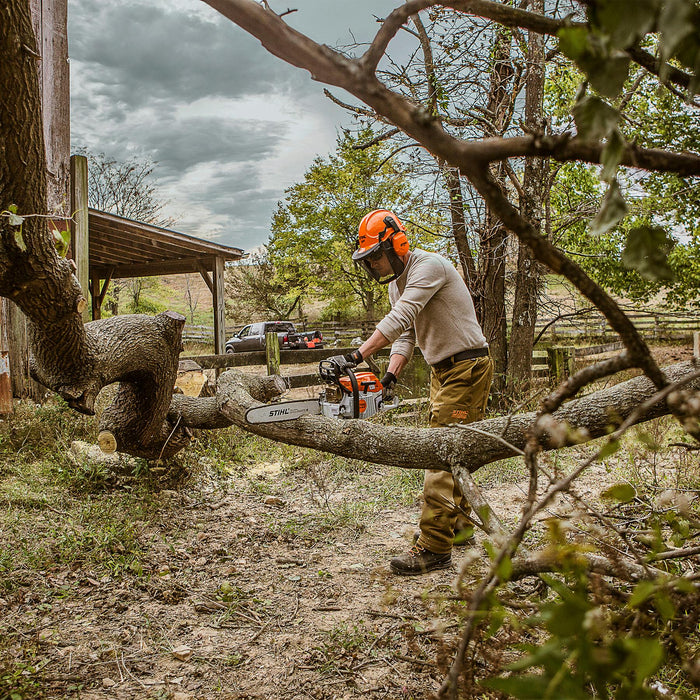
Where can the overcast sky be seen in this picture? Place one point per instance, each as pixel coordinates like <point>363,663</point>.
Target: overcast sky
<point>229,125</point>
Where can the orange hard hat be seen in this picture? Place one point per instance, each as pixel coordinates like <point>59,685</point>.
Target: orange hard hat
<point>381,231</point>
<point>375,227</point>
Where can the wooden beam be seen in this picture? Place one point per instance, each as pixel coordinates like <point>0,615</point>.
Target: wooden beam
<point>95,298</point>
<point>98,295</point>
<point>23,386</point>
<point>5,380</point>
<point>152,269</point>
<point>105,286</point>
<point>205,276</point>
<point>50,20</point>
<point>80,235</point>
<point>219,300</point>
<point>272,352</point>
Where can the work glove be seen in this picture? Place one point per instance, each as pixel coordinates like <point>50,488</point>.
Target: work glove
<point>334,366</point>
<point>388,381</point>
<point>353,358</point>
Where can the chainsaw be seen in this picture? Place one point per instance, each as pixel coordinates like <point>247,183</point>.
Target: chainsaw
<point>349,395</point>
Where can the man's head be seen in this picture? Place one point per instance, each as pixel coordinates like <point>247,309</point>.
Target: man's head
<point>382,245</point>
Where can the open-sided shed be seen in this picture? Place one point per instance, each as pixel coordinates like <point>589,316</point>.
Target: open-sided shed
<point>121,248</point>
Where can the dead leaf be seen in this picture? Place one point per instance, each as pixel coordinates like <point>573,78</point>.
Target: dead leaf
<point>182,653</point>
<point>274,501</point>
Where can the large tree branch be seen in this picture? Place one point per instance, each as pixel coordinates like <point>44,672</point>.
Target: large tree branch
<point>459,449</point>
<point>564,147</point>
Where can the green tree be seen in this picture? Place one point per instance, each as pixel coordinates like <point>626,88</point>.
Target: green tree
<point>314,230</point>
<point>254,288</point>
<point>652,118</point>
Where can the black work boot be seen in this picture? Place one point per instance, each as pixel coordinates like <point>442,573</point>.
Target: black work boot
<point>419,560</point>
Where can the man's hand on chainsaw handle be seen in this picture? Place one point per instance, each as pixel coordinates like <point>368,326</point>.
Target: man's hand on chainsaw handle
<point>388,381</point>
<point>352,359</point>
<point>340,362</point>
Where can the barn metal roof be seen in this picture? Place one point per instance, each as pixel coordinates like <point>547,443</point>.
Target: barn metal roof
<point>122,248</point>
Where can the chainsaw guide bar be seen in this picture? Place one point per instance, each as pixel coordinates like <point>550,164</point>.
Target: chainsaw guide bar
<point>358,395</point>
<point>285,410</point>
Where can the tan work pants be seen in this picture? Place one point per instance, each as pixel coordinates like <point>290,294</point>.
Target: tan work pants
<point>458,394</point>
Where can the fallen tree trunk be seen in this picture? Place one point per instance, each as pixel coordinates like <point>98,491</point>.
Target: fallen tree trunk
<point>453,449</point>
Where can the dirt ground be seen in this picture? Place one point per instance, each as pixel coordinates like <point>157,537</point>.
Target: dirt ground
<point>226,607</point>
<point>263,578</point>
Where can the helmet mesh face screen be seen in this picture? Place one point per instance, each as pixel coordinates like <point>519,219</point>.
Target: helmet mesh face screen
<point>397,265</point>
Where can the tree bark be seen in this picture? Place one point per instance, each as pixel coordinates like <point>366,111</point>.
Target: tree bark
<point>459,227</point>
<point>527,279</point>
<point>460,449</point>
<point>491,296</point>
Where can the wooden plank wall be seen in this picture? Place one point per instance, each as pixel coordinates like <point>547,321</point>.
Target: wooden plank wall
<point>50,19</point>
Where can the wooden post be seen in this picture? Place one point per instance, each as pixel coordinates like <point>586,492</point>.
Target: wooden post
<point>95,297</point>
<point>80,234</point>
<point>50,21</point>
<point>272,352</point>
<point>5,381</point>
<point>560,360</point>
<point>218,294</point>
<point>696,345</point>
<point>23,386</point>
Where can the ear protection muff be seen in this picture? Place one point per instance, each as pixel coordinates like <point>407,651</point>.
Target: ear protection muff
<point>398,237</point>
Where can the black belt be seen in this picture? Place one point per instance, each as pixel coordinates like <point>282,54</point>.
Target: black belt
<point>460,356</point>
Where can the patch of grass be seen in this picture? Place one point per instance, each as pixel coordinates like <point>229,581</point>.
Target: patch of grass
<point>240,603</point>
<point>654,462</point>
<point>505,471</point>
<point>353,516</point>
<point>37,432</point>
<point>342,646</point>
<point>20,671</point>
<point>102,534</point>
<point>233,450</point>
<point>42,526</point>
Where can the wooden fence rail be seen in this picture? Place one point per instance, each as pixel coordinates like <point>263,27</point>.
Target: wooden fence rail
<point>654,325</point>
<point>556,362</point>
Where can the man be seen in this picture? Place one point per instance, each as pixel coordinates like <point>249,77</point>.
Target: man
<point>431,306</point>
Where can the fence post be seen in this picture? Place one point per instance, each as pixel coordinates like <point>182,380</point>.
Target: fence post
<point>5,381</point>
<point>272,352</point>
<point>553,331</point>
<point>560,360</point>
<point>696,344</point>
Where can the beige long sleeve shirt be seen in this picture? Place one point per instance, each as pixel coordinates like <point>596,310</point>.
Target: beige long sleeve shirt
<point>431,306</point>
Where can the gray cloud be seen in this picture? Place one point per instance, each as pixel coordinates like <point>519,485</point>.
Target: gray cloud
<point>181,144</point>
<point>229,125</point>
<point>157,53</point>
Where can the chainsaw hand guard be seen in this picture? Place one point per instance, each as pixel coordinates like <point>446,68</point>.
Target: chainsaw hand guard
<point>333,368</point>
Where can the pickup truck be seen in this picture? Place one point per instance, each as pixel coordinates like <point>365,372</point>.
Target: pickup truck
<point>252,337</point>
